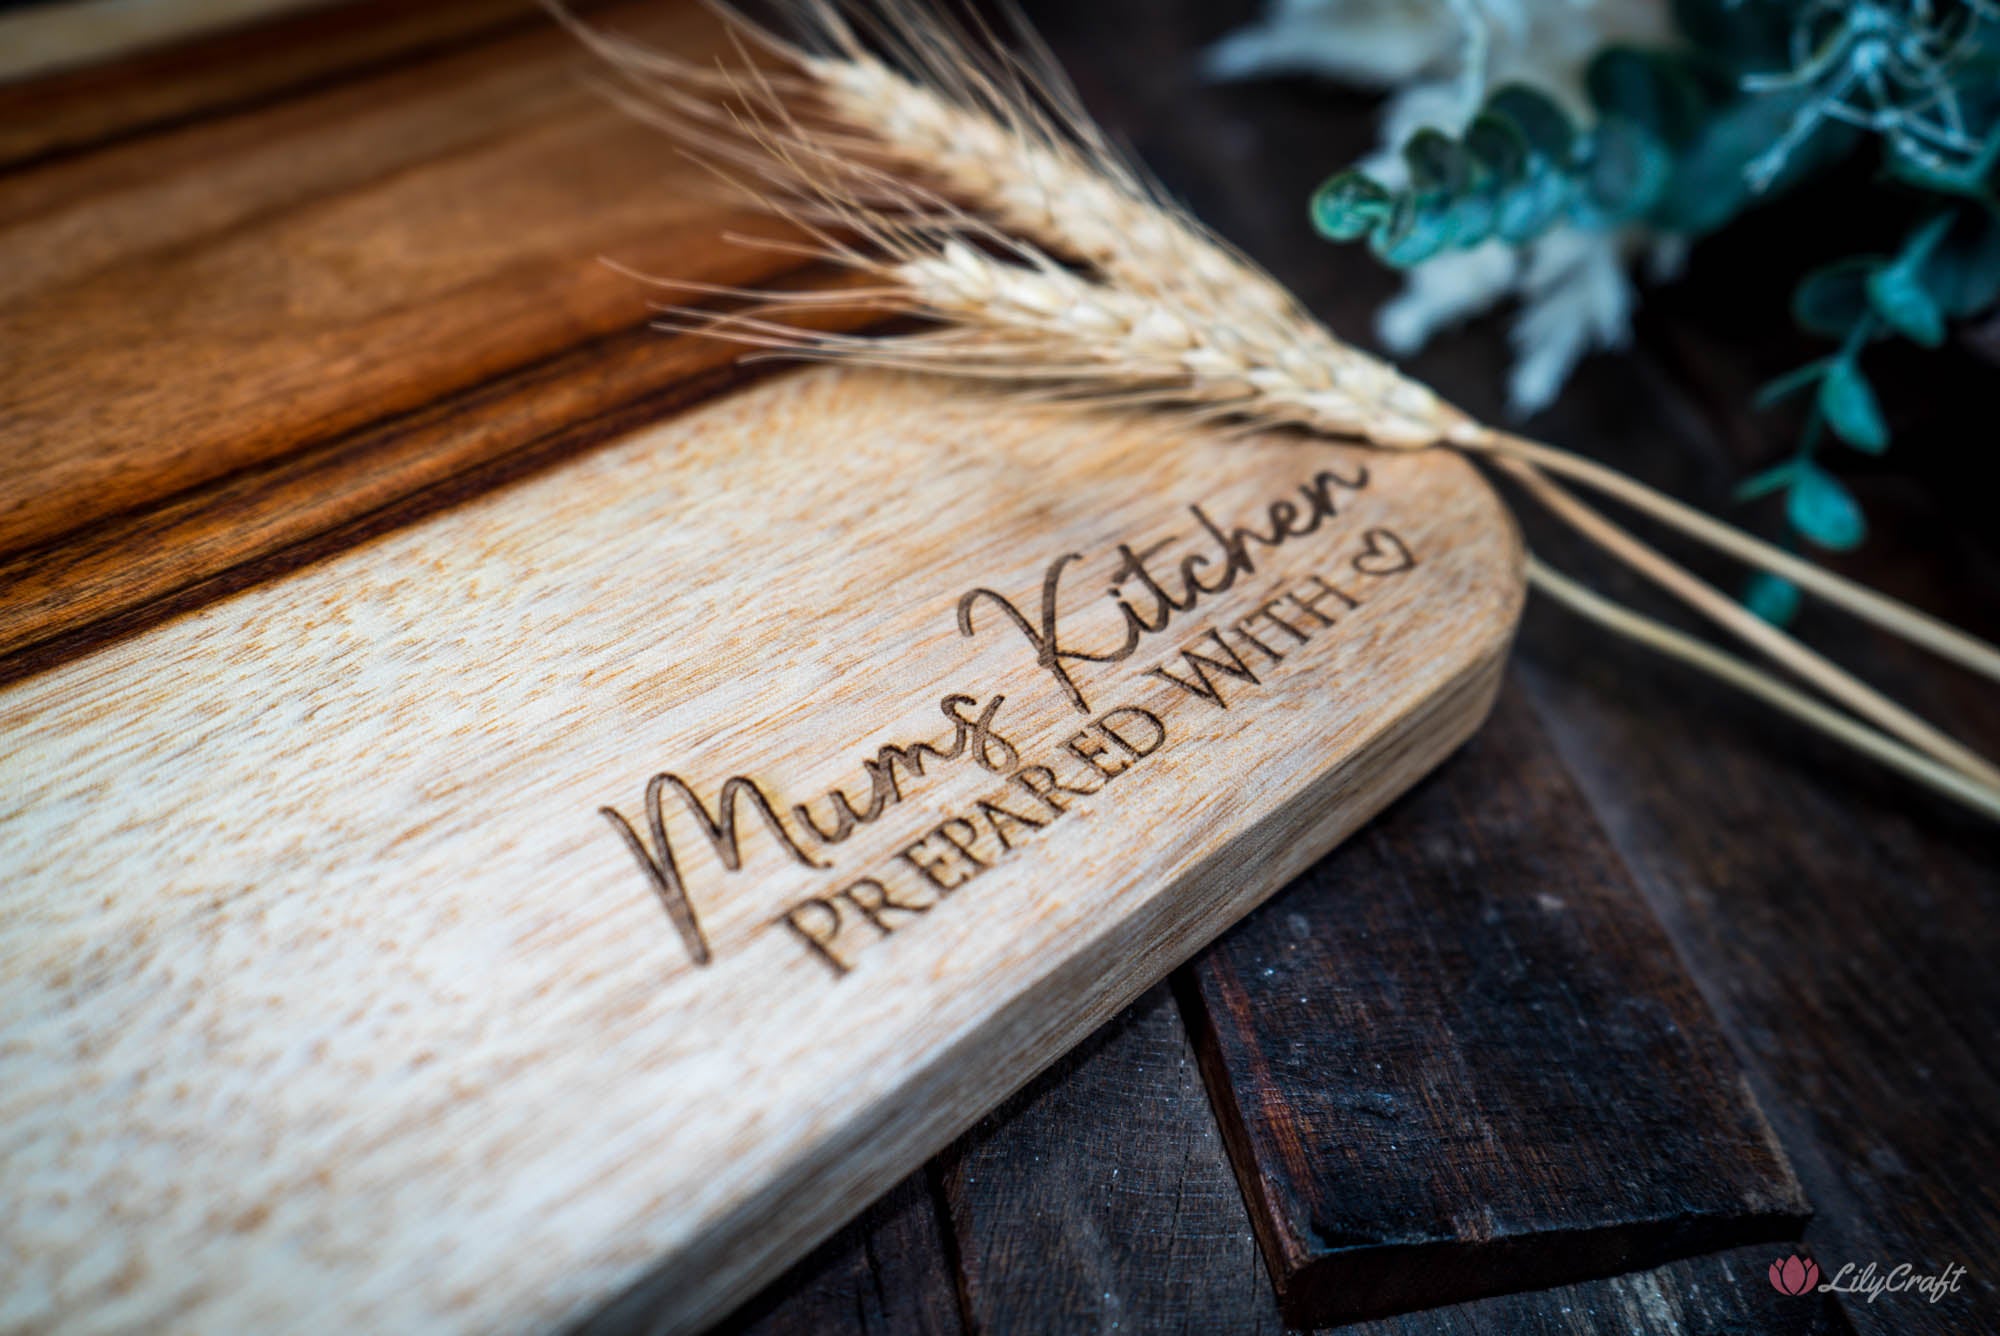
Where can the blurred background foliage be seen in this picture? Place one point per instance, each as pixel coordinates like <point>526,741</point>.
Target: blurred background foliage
<point>1540,150</point>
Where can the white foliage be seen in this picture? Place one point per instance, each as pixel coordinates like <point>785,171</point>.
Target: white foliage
<point>1574,297</point>
<point>1375,43</point>
<point>1448,289</point>
<point>1440,58</point>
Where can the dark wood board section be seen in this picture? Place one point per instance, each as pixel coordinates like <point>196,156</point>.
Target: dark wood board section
<point>1462,1058</point>
<point>1101,1199</point>
<point>268,324</point>
<point>241,64</point>
<point>886,1274</point>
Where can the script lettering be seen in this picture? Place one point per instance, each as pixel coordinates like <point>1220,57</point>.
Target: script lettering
<point>1154,587</point>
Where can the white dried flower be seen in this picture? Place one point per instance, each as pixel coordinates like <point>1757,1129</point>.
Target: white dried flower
<point>1441,58</point>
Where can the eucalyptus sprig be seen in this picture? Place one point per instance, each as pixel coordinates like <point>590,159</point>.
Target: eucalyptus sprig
<point>1762,95</point>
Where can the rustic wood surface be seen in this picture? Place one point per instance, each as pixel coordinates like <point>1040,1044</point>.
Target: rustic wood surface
<point>1105,1195</point>
<point>1467,1062</point>
<point>1840,925</point>
<point>159,85</point>
<point>42,39</point>
<point>1101,1199</point>
<point>296,322</point>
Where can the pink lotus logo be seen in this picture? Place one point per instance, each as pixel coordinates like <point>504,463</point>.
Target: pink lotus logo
<point>1794,1275</point>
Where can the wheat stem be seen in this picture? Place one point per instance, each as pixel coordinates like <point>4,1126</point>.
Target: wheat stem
<point>1665,640</point>
<point>1739,621</point>
<point>1877,609</point>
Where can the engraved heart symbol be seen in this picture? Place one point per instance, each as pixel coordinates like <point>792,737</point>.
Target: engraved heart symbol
<point>1383,554</point>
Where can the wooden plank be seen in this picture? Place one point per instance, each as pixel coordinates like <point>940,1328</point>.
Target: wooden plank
<point>1721,1294</point>
<point>107,96</point>
<point>385,241</point>
<point>260,329</point>
<point>331,981</point>
<point>60,36</point>
<point>1460,1058</point>
<point>886,1273</point>
<point>1100,1199</point>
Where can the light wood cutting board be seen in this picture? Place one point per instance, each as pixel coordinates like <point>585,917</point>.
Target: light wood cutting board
<point>346,986</point>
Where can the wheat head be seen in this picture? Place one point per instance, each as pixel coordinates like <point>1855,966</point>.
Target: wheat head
<point>970,184</point>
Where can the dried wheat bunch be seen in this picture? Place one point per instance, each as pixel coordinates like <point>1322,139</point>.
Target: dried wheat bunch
<point>962,178</point>
<point>971,185</point>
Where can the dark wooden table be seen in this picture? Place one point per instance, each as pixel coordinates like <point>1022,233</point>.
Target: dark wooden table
<point>1838,926</point>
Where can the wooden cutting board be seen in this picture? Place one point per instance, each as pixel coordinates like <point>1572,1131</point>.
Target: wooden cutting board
<point>344,980</point>
<point>621,878</point>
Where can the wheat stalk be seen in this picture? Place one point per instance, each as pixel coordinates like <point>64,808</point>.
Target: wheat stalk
<point>969,186</point>
<point>1662,639</point>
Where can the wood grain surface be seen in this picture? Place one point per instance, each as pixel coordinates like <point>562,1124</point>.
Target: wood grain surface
<point>240,70</point>
<point>280,322</point>
<point>887,1270</point>
<point>333,995</point>
<point>39,39</point>
<point>1468,1062</point>
<point>1104,1195</point>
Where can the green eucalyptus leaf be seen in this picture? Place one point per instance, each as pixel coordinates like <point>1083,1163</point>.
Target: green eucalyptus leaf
<point>1451,185</point>
<point>1437,162</point>
<point>1628,169</point>
<point>1533,206</point>
<point>1648,89</point>
<point>1832,300</point>
<point>1920,243</point>
<point>1350,206</point>
<point>1792,382</point>
<point>1962,274</point>
<point>1440,177</point>
<point>1973,178</point>
<point>1848,404</point>
<point>1497,148</point>
<point>1417,230</point>
<point>1771,597</point>
<point>1499,164</point>
<point>1472,217</point>
<point>1539,192</point>
<point>1543,125</point>
<point>1928,174</point>
<point>1824,511</point>
<point>1898,293</point>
